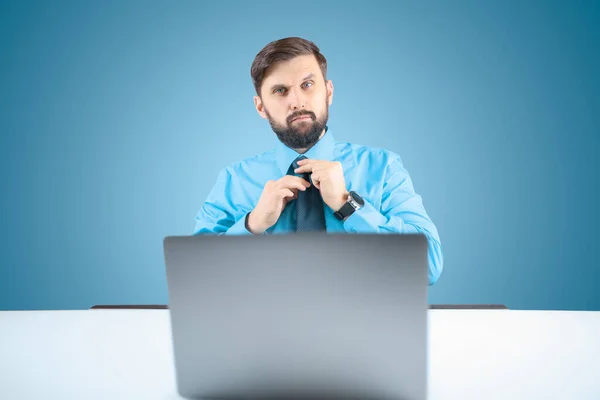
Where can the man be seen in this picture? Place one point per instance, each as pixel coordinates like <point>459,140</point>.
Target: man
<point>310,181</point>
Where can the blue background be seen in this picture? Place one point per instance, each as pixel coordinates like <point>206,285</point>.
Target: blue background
<point>116,118</point>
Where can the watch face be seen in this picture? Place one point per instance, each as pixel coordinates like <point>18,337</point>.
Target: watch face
<point>359,200</point>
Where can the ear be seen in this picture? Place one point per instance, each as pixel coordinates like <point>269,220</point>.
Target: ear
<point>260,108</point>
<point>329,85</point>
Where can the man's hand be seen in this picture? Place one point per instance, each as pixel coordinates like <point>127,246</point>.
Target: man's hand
<point>273,200</point>
<point>328,177</point>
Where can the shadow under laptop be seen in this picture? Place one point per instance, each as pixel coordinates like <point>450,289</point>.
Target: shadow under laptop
<point>306,390</point>
<point>303,396</point>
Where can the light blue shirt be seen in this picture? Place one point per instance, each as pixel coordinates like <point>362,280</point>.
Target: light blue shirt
<point>377,175</point>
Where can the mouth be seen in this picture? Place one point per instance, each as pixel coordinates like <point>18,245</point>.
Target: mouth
<point>302,118</point>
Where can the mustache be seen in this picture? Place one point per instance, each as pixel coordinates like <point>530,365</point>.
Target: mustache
<point>300,114</point>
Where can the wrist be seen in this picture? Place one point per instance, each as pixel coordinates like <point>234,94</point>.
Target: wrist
<point>252,226</point>
<point>353,203</point>
<point>340,202</point>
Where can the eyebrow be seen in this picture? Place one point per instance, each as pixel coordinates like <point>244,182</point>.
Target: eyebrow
<point>278,85</point>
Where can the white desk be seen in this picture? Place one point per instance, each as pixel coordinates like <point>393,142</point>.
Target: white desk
<point>126,354</point>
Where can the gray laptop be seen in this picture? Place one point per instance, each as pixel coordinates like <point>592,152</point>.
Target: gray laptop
<point>305,315</point>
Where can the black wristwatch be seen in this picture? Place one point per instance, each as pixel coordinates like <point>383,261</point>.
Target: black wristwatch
<point>353,203</point>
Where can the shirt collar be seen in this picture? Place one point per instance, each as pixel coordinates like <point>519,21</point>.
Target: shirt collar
<point>322,150</point>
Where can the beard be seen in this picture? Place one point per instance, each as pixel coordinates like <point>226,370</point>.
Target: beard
<point>300,134</point>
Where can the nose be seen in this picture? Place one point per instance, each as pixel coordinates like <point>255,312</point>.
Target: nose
<point>296,99</point>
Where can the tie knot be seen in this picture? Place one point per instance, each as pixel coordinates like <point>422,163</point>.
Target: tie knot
<point>295,165</point>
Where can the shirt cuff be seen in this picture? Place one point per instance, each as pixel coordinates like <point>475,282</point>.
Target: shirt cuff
<point>366,219</point>
<point>239,228</point>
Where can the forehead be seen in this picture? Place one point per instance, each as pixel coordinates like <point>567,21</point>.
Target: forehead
<point>291,70</point>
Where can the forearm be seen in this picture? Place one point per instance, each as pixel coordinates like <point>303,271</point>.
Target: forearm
<point>217,222</point>
<point>370,220</point>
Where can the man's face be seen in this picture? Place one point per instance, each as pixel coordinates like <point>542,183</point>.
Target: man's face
<point>295,99</point>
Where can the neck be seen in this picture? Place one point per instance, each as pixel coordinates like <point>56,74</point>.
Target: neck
<point>304,150</point>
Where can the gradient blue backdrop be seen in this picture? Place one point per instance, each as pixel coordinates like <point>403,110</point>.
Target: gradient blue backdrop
<point>116,118</point>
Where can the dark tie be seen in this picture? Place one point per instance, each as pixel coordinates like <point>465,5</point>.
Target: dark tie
<point>310,216</point>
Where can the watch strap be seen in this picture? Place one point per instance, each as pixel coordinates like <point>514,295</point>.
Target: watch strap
<point>345,211</point>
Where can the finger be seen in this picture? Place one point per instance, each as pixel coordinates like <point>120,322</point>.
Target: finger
<point>320,167</point>
<point>288,180</point>
<point>306,161</point>
<point>304,168</point>
<point>312,167</point>
<point>294,186</point>
<point>286,193</point>
<point>316,181</point>
<point>291,178</point>
<point>287,199</point>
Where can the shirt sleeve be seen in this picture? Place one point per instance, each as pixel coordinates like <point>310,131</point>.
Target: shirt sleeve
<point>401,211</point>
<point>219,214</point>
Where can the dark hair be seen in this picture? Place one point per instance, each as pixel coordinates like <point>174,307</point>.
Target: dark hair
<point>283,50</point>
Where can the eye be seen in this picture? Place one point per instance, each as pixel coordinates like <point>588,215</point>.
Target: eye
<point>308,84</point>
<point>280,90</point>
